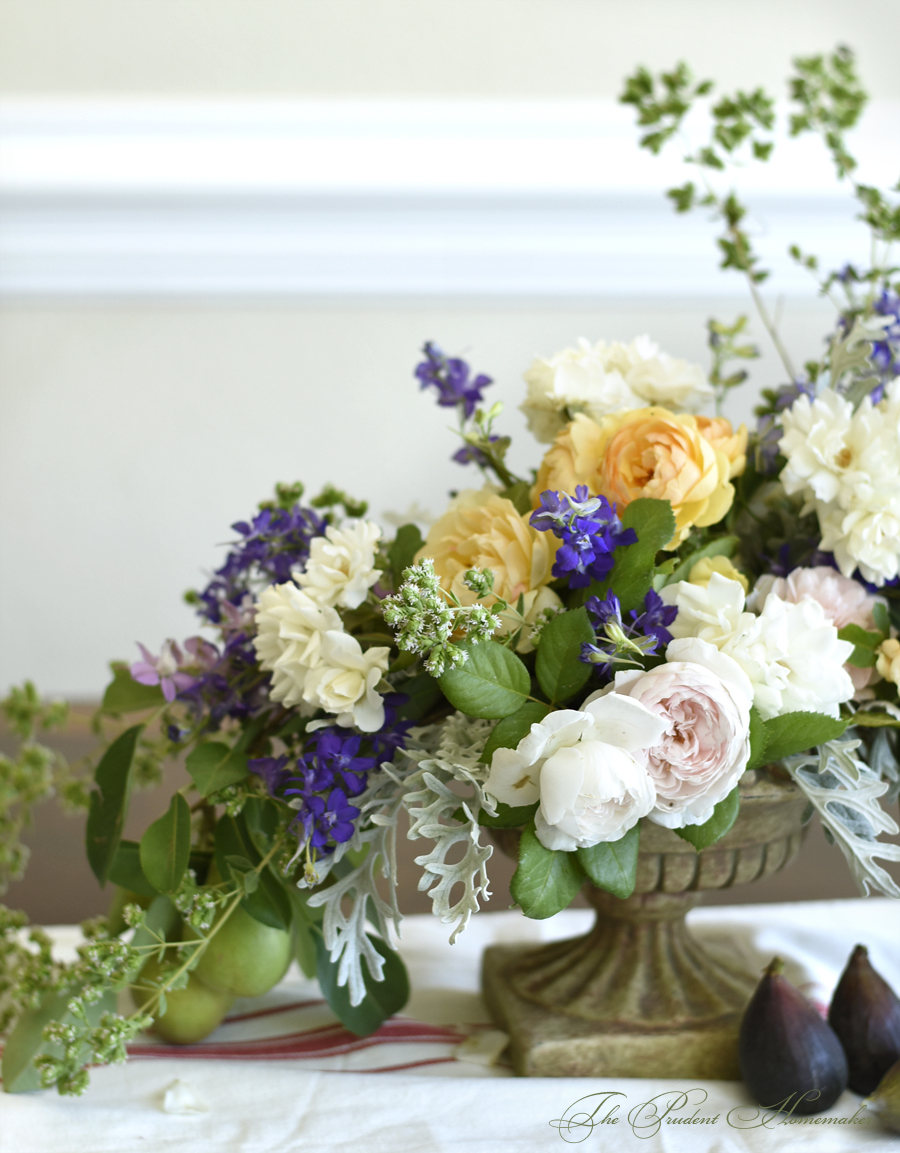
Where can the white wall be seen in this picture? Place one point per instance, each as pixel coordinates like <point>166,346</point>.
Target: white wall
<point>134,431</point>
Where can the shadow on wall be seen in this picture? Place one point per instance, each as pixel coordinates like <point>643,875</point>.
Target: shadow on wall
<point>60,888</point>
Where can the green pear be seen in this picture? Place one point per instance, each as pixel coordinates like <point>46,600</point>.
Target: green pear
<point>121,898</point>
<point>191,1013</point>
<point>245,957</point>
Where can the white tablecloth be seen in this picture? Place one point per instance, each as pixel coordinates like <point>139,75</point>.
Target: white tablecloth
<point>285,1077</point>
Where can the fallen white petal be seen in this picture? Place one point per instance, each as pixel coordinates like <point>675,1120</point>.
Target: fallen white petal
<point>483,1047</point>
<point>181,1098</point>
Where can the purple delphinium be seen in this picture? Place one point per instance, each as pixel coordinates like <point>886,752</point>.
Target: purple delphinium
<point>590,531</point>
<point>469,454</point>
<point>644,633</point>
<point>231,686</point>
<point>452,379</point>
<point>886,352</point>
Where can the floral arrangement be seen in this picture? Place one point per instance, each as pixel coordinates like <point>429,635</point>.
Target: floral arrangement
<point>666,604</point>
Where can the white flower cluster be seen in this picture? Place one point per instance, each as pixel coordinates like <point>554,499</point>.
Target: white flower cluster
<point>846,465</point>
<point>672,742</point>
<point>300,637</point>
<point>608,377</point>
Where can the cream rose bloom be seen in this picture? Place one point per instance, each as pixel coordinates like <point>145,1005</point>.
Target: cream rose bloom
<point>790,652</point>
<point>701,572</point>
<point>481,530</point>
<point>844,601</point>
<point>581,765</point>
<point>888,660</point>
<point>341,566</point>
<point>704,697</point>
<point>344,681</point>
<point>648,452</point>
<point>290,627</point>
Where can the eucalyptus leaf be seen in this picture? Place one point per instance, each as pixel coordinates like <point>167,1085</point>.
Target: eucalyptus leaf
<point>507,733</point>
<point>491,683</point>
<point>109,802</point>
<point>269,904</point>
<point>546,880</point>
<point>305,921</point>
<point>403,550</point>
<point>126,870</point>
<point>125,695</point>
<point>383,998</point>
<point>723,817</point>
<point>166,847</point>
<point>612,865</point>
<point>424,694</point>
<point>559,669</point>
<point>796,732</point>
<point>215,766</point>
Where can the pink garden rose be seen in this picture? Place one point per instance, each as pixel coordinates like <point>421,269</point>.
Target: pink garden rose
<point>844,600</point>
<point>704,698</point>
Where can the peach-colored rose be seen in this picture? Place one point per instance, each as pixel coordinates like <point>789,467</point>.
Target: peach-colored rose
<point>647,452</point>
<point>481,530</point>
<point>844,601</point>
<point>719,433</point>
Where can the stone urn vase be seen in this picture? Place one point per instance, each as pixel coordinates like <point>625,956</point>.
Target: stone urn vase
<point>639,996</point>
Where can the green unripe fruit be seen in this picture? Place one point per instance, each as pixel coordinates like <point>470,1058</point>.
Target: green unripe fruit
<point>245,957</point>
<point>191,1013</point>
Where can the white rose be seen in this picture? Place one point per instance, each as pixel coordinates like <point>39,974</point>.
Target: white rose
<point>344,681</point>
<point>704,697</point>
<point>290,627</point>
<point>341,566</point>
<point>580,765</point>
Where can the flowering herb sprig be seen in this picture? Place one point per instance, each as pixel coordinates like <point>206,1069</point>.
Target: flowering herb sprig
<point>626,643</point>
<point>590,531</point>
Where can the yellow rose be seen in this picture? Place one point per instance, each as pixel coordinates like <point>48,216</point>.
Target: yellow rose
<point>647,452</point>
<point>480,530</point>
<point>702,572</point>
<point>719,433</point>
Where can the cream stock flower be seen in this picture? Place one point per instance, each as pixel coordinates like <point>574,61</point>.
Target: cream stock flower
<point>704,697</point>
<point>341,566</point>
<point>481,530</point>
<point>344,681</point>
<point>290,627</point>
<point>581,765</point>
<point>888,660</point>
<point>648,452</point>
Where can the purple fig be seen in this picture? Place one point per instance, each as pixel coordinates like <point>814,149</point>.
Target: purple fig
<point>886,1099</point>
<point>865,1014</point>
<point>786,1051</point>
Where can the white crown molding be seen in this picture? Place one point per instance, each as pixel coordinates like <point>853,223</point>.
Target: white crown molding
<point>386,198</point>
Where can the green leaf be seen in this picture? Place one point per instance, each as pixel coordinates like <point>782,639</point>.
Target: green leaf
<point>759,739</point>
<point>125,695</point>
<point>26,1041</point>
<point>403,550</point>
<point>166,847</point>
<point>869,720</point>
<point>382,999</point>
<point>162,920</point>
<point>520,494</point>
<point>882,618</point>
<point>612,865</point>
<point>546,880</point>
<point>424,694</point>
<point>797,732</point>
<point>269,904</point>
<point>215,766</point>
<point>559,670</point>
<point>724,815</point>
<point>109,802</point>
<point>507,733</point>
<point>261,818</point>
<point>723,546</point>
<point>303,927</point>
<point>859,636</point>
<point>508,816</point>
<point>492,683</point>
<point>630,580</point>
<point>126,870</point>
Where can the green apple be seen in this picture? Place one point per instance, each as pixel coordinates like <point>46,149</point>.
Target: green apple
<point>191,1013</point>
<point>245,957</point>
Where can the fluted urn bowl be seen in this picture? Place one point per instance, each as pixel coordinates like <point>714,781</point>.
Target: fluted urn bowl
<point>639,996</point>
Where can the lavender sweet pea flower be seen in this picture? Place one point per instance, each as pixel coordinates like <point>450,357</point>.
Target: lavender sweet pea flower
<point>164,670</point>
<point>451,377</point>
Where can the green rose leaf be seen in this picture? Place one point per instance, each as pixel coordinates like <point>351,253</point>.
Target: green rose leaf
<point>508,816</point>
<point>631,579</point>
<point>796,732</point>
<point>559,670</point>
<point>125,695</point>
<point>759,739</point>
<point>724,815</point>
<point>126,870</point>
<point>508,732</point>
<point>492,683</point>
<point>403,550</point>
<point>382,999</point>
<point>546,880</point>
<point>109,802</point>
<point>166,847</point>
<point>214,766</point>
<point>882,619</point>
<point>269,904</point>
<point>424,694</point>
<point>723,546</point>
<point>612,865</point>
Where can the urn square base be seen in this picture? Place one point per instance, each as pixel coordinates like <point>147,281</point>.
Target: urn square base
<point>548,1043</point>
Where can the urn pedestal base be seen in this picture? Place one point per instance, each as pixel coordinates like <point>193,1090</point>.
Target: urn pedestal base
<point>639,996</point>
